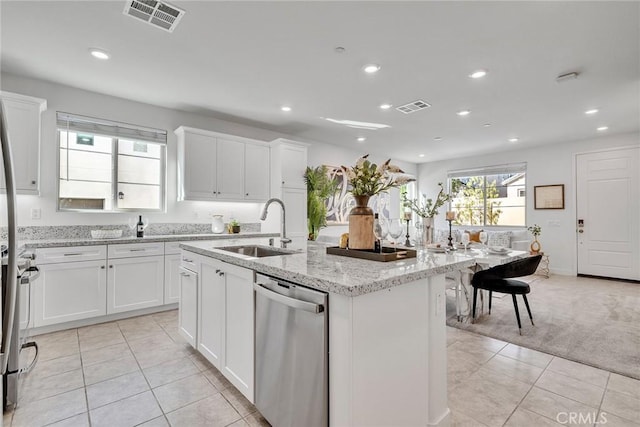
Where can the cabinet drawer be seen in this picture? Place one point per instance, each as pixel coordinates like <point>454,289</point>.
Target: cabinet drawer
<point>71,254</point>
<point>136,249</point>
<point>190,261</point>
<point>171,248</point>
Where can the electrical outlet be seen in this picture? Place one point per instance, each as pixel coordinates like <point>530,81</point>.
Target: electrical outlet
<point>36,213</point>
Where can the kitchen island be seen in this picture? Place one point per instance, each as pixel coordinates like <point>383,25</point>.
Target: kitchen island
<point>387,336</point>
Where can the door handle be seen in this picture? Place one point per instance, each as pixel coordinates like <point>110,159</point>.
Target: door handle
<point>288,301</point>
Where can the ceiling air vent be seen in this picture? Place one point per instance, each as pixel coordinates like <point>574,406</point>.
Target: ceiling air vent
<point>414,106</point>
<point>156,13</point>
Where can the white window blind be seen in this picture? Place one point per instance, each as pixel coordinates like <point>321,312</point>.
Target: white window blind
<point>84,124</point>
<point>490,170</point>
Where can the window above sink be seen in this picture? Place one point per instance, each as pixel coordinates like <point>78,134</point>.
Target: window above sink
<point>110,166</point>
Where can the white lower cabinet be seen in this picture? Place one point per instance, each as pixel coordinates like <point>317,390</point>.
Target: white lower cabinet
<point>171,278</point>
<point>188,312</point>
<point>134,283</point>
<point>211,311</point>
<point>225,332</point>
<point>69,291</point>
<point>238,347</point>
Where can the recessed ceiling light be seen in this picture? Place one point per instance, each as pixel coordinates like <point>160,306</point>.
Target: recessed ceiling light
<point>98,53</point>
<point>420,155</point>
<point>285,108</point>
<point>385,106</point>
<point>361,139</point>
<point>371,68</point>
<point>486,125</point>
<point>592,111</point>
<point>513,139</point>
<point>603,128</point>
<point>478,74</point>
<point>463,112</point>
<point>438,138</point>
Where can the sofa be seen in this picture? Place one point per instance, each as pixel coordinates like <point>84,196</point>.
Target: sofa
<point>517,239</point>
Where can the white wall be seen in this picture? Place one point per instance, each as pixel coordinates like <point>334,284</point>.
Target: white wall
<point>73,100</point>
<point>548,164</point>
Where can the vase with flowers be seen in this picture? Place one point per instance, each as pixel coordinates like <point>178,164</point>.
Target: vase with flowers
<point>535,245</point>
<point>368,179</point>
<point>427,210</point>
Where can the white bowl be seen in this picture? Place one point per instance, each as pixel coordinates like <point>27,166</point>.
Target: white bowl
<point>106,234</point>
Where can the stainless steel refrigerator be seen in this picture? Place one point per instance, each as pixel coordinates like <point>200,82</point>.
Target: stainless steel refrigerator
<point>17,270</point>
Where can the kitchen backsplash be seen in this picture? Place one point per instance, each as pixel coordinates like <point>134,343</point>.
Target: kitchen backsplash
<point>84,231</point>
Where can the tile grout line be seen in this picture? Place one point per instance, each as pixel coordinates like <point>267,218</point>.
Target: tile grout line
<point>143,375</point>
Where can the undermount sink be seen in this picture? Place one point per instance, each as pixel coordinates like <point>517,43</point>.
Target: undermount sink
<point>255,250</point>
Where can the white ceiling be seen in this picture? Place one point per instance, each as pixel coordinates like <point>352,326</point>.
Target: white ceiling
<point>242,61</point>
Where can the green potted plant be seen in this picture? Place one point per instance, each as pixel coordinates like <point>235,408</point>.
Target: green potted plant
<point>535,245</point>
<point>319,187</point>
<point>234,226</point>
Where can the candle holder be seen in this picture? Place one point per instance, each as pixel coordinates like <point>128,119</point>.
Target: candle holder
<point>407,243</point>
<point>450,236</point>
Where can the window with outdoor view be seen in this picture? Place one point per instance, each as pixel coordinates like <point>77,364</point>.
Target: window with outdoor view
<point>109,166</point>
<point>489,196</point>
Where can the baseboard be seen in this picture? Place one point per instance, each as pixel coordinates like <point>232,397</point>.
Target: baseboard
<point>100,319</point>
<point>562,271</point>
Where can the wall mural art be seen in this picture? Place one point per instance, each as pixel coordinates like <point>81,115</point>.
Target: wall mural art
<point>339,206</point>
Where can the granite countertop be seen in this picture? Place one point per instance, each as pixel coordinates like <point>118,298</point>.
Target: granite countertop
<point>338,274</point>
<point>56,243</point>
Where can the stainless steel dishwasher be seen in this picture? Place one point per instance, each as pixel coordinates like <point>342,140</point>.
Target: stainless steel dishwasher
<point>292,354</point>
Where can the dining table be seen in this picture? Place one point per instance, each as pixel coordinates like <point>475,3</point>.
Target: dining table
<point>484,257</point>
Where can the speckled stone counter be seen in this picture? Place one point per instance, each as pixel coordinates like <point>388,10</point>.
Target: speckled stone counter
<point>338,274</point>
<point>57,243</point>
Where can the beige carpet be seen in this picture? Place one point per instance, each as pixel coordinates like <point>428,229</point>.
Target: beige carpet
<point>592,321</point>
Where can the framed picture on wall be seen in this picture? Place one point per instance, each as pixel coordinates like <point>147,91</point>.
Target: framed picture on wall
<point>548,196</point>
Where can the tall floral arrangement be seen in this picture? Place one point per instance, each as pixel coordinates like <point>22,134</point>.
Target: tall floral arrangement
<point>368,179</point>
<point>429,208</point>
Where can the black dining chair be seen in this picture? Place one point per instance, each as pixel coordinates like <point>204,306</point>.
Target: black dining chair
<point>500,279</point>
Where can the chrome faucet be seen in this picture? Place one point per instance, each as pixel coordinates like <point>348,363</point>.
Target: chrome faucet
<point>283,229</point>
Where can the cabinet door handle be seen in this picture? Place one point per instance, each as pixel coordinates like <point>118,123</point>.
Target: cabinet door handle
<point>221,274</point>
<point>33,182</point>
<point>187,260</point>
<point>217,271</point>
<point>185,274</point>
<point>137,250</point>
<point>102,267</point>
<point>73,254</point>
<point>111,266</point>
<point>246,194</point>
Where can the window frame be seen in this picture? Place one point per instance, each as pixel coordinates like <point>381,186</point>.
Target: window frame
<point>115,139</point>
<point>484,172</point>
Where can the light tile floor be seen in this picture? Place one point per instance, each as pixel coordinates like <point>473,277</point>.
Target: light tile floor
<point>139,371</point>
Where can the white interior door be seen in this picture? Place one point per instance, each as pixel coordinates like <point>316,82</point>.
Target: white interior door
<point>608,212</point>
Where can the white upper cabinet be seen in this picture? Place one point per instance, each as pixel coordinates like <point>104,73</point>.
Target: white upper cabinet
<point>256,168</point>
<point>215,166</point>
<point>23,125</point>
<point>288,164</point>
<point>196,165</point>
<point>293,162</point>
<point>230,170</point>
